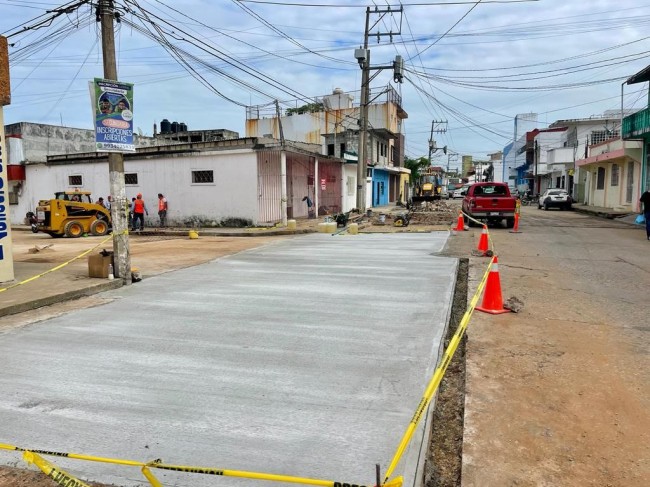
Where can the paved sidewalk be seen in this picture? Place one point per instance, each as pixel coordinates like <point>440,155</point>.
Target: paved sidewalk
<point>603,212</point>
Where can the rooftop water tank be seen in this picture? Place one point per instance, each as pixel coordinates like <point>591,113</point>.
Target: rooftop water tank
<point>165,126</point>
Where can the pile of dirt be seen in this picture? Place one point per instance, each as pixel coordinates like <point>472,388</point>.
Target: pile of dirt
<point>440,217</point>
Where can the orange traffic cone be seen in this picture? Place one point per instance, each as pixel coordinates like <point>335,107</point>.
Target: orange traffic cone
<point>460,225</point>
<point>515,229</point>
<point>492,299</point>
<point>483,241</point>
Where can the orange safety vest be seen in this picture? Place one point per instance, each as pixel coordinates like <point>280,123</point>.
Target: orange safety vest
<point>162,204</point>
<point>138,206</point>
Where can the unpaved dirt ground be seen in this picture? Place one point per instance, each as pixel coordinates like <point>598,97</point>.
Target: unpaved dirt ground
<point>559,394</point>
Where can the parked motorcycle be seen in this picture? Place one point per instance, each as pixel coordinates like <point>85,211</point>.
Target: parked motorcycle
<point>31,219</point>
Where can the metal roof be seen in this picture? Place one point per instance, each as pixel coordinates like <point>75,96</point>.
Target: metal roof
<point>640,77</point>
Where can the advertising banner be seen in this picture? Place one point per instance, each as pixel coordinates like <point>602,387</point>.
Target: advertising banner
<point>6,255</point>
<point>113,111</point>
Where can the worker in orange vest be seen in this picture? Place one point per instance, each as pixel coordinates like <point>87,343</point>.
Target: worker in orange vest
<point>162,209</point>
<point>139,210</point>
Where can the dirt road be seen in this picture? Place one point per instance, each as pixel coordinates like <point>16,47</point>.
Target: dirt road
<point>559,394</point>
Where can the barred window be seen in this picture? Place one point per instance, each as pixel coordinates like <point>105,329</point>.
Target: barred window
<point>598,136</point>
<point>75,180</point>
<point>131,178</point>
<point>202,177</point>
<point>614,175</point>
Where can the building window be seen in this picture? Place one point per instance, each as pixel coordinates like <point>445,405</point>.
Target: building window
<point>557,182</point>
<point>600,181</point>
<point>342,150</point>
<point>13,198</point>
<point>393,154</point>
<point>131,178</point>
<point>75,180</point>
<point>330,149</point>
<point>202,177</point>
<point>614,175</point>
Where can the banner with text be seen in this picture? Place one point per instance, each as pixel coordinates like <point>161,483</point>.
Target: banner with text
<point>113,110</point>
<point>6,254</point>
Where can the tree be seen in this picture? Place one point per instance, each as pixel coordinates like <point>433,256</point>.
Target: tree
<point>416,165</point>
<point>308,108</point>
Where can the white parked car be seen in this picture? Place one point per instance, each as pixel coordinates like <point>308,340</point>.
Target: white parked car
<point>555,198</point>
<point>460,192</point>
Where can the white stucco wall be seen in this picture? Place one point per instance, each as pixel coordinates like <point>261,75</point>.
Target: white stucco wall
<point>349,178</point>
<point>232,195</point>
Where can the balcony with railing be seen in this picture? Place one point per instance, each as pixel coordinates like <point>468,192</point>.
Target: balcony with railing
<point>637,125</point>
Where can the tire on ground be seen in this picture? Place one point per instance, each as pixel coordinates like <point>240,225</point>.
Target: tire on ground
<point>73,229</point>
<point>99,228</point>
<point>510,222</point>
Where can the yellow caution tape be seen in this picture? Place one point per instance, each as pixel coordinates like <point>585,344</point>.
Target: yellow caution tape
<point>146,469</point>
<point>253,475</point>
<point>483,225</point>
<point>61,477</point>
<point>437,376</point>
<point>150,477</point>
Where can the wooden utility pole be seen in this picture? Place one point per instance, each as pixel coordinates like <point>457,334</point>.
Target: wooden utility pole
<point>120,205</point>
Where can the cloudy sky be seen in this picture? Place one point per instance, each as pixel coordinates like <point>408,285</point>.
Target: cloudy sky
<point>474,64</point>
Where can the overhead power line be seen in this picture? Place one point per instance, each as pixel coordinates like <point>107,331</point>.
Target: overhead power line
<point>409,4</point>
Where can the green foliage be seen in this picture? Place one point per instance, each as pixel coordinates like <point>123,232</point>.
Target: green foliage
<point>309,108</point>
<point>416,165</point>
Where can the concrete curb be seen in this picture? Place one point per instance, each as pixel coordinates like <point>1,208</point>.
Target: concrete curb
<point>602,214</point>
<point>58,298</point>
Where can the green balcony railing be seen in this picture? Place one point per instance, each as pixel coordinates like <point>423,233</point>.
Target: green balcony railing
<point>637,124</point>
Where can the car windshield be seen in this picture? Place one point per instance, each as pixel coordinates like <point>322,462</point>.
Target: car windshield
<point>555,193</point>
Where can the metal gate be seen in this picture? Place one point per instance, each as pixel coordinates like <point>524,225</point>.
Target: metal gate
<point>329,187</point>
<point>300,183</point>
<point>269,186</point>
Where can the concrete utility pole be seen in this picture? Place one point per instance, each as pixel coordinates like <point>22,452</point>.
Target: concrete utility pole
<point>364,62</point>
<point>120,206</point>
<point>363,57</point>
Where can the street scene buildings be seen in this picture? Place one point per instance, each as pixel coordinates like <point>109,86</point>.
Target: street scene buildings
<point>328,244</point>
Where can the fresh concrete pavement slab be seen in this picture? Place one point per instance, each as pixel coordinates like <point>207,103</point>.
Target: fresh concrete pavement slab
<point>306,357</point>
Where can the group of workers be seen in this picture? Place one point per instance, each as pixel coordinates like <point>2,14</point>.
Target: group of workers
<point>138,209</point>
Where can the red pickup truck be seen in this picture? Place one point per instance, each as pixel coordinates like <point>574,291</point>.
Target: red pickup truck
<point>491,202</point>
